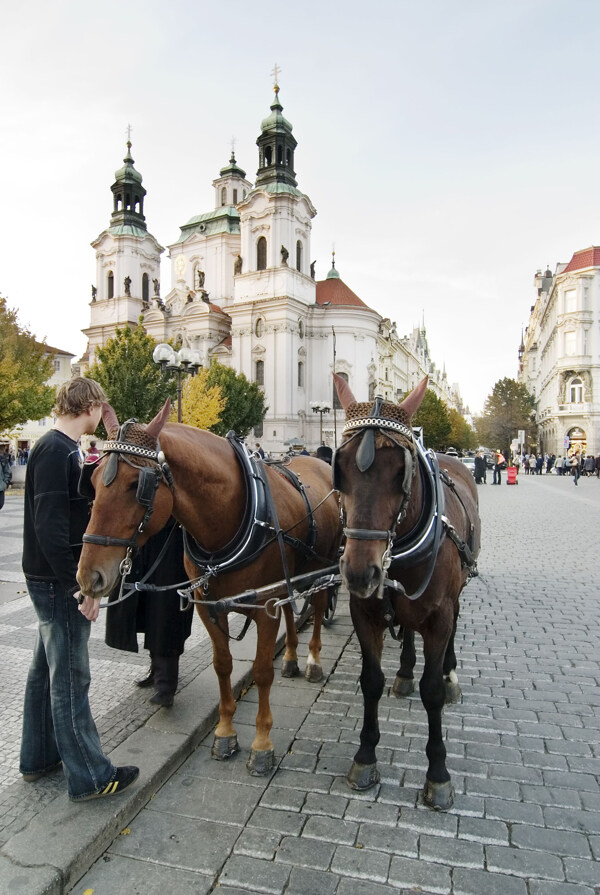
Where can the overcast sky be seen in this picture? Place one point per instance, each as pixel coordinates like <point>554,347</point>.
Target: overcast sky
<point>449,147</point>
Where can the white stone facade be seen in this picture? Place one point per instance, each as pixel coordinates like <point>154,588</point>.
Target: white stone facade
<point>560,355</point>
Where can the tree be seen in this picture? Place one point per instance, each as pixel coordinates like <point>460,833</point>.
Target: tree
<point>25,367</point>
<point>461,434</point>
<point>134,384</point>
<point>432,415</point>
<point>509,408</point>
<point>244,401</point>
<point>201,404</point>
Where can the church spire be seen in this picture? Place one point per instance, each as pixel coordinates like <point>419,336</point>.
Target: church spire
<point>276,146</point>
<point>128,194</point>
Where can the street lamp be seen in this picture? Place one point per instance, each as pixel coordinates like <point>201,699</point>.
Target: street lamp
<point>184,362</point>
<point>321,407</point>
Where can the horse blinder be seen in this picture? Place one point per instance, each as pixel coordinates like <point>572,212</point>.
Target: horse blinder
<point>147,486</point>
<point>84,486</point>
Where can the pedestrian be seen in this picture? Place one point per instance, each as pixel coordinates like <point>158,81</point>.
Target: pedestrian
<point>498,466</point>
<point>550,463</point>
<point>93,455</point>
<point>532,464</point>
<point>597,462</point>
<point>566,465</point>
<point>575,470</point>
<point>258,450</point>
<point>5,474</point>
<point>480,468</point>
<point>156,614</point>
<point>539,463</point>
<point>558,465</point>
<point>590,465</point>
<point>58,727</point>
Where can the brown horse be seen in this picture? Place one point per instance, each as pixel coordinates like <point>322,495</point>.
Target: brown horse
<point>199,479</point>
<point>412,537</point>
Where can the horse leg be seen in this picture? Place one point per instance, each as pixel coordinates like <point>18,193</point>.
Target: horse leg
<point>364,774</point>
<point>289,663</point>
<point>225,743</point>
<point>438,792</point>
<point>314,670</point>
<point>404,683</point>
<point>262,755</point>
<point>451,685</point>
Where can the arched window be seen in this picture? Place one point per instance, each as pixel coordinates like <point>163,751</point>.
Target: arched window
<point>259,376</point>
<point>336,400</point>
<point>259,327</point>
<point>268,156</point>
<point>280,155</point>
<point>224,196</point>
<point>576,391</point>
<point>299,256</point>
<point>289,157</point>
<point>110,285</point>
<point>261,253</point>
<point>145,288</point>
<point>300,374</point>
<point>235,197</point>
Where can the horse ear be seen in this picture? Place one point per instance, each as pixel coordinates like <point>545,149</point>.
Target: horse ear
<point>412,402</point>
<point>155,425</point>
<point>344,391</point>
<point>109,418</point>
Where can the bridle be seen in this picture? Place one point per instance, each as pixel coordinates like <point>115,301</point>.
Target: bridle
<point>365,455</point>
<point>149,479</point>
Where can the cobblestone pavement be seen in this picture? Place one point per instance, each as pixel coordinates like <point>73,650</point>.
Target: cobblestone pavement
<point>523,749</point>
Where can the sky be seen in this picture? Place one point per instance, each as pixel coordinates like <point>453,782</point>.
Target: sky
<point>448,146</point>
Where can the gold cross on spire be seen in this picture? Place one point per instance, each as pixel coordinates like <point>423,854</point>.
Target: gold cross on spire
<point>276,72</point>
<point>129,129</point>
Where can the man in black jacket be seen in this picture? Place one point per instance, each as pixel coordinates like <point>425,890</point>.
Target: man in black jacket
<point>57,721</point>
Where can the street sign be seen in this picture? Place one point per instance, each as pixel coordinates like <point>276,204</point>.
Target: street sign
<point>567,443</point>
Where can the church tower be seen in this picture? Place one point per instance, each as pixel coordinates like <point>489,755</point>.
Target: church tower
<point>127,261</point>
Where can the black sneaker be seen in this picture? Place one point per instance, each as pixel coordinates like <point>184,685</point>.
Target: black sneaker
<point>123,778</point>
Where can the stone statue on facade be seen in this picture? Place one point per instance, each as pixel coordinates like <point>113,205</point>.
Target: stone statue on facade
<point>94,293</point>
<point>156,283</point>
<point>237,265</point>
<point>201,277</point>
<point>284,256</point>
<point>312,269</point>
<point>127,285</point>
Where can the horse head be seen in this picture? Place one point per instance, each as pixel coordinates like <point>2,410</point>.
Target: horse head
<point>132,500</point>
<point>373,469</point>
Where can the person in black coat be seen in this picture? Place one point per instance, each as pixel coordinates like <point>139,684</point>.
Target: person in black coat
<point>156,614</point>
<point>480,468</point>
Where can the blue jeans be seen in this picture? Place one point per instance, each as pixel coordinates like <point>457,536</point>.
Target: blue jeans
<point>57,720</point>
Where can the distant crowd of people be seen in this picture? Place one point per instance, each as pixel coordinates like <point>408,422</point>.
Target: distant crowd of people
<point>575,465</point>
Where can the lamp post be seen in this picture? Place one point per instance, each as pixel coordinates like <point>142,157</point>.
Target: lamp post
<point>183,363</point>
<point>320,407</point>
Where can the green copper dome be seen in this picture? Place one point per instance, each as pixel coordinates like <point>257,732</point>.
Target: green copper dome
<point>128,173</point>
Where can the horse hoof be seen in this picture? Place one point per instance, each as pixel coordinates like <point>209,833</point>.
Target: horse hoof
<point>439,796</point>
<point>403,686</point>
<point>289,668</point>
<point>363,776</point>
<point>261,762</point>
<point>224,747</point>
<point>453,692</point>
<point>313,673</point>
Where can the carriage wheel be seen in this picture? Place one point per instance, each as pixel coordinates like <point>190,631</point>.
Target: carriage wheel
<point>332,595</point>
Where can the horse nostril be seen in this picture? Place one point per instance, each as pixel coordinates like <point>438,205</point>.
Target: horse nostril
<point>97,581</point>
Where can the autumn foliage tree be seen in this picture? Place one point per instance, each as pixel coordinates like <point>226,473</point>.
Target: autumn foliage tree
<point>201,404</point>
<point>25,367</point>
<point>461,434</point>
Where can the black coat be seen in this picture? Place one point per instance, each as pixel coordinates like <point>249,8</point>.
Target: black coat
<point>480,467</point>
<point>155,614</point>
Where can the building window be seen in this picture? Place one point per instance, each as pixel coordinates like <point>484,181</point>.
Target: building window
<point>300,329</point>
<point>235,197</point>
<point>576,391</point>
<point>259,328</point>
<point>261,253</point>
<point>268,155</point>
<point>570,300</point>
<point>336,400</point>
<point>145,288</point>
<point>259,375</point>
<point>300,374</point>
<point>570,342</point>
<point>299,256</point>
<point>56,366</point>
<point>224,196</point>
<point>110,285</point>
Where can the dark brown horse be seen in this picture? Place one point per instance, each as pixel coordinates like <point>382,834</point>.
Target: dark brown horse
<point>199,479</point>
<point>412,537</point>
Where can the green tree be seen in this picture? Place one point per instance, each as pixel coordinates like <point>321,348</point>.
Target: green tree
<point>509,408</point>
<point>134,384</point>
<point>244,401</point>
<point>25,367</point>
<point>432,415</point>
<point>461,434</point>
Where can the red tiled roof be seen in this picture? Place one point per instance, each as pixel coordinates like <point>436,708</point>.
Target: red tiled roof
<point>584,258</point>
<point>336,292</point>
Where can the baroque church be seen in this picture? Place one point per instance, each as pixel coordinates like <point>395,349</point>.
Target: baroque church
<point>243,292</point>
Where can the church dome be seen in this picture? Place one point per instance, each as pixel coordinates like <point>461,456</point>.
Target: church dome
<point>127,172</point>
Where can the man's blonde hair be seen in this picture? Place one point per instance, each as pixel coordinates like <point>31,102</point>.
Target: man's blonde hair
<point>78,396</point>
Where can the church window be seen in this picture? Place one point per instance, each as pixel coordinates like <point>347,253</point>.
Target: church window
<point>289,158</point>
<point>268,156</point>
<point>280,155</point>
<point>145,288</point>
<point>127,202</point>
<point>576,391</point>
<point>300,374</point>
<point>259,327</point>
<point>235,197</point>
<point>118,203</point>
<point>224,196</point>
<point>136,206</point>
<point>300,329</point>
<point>261,253</point>
<point>259,376</point>
<point>336,400</point>
<point>110,285</point>
<point>299,256</point>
